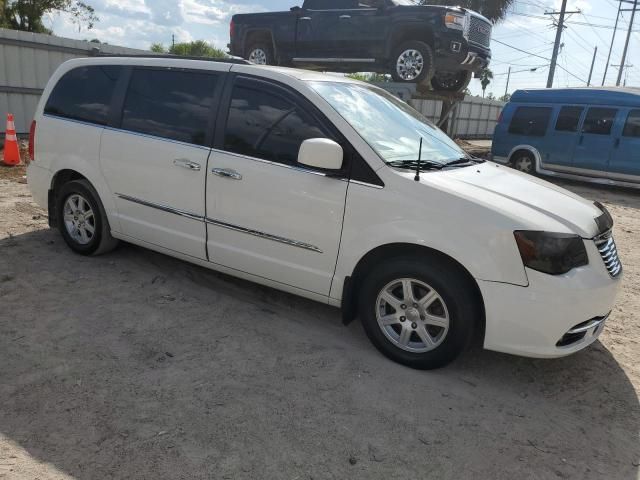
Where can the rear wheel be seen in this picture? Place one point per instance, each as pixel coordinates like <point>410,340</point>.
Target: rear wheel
<point>418,312</point>
<point>524,162</point>
<point>260,53</point>
<point>412,62</point>
<point>451,81</point>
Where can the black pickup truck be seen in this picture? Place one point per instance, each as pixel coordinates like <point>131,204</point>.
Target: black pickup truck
<point>413,42</point>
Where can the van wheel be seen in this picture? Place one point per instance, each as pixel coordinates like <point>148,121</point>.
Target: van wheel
<point>524,162</point>
<point>451,81</point>
<point>418,312</point>
<point>82,220</point>
<point>412,63</point>
<point>260,54</point>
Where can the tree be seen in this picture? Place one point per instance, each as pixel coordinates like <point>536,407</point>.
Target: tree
<point>199,48</point>
<point>370,77</point>
<point>27,15</point>
<point>485,79</point>
<point>505,98</point>
<point>494,10</point>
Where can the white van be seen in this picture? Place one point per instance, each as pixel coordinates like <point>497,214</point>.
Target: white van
<point>328,188</point>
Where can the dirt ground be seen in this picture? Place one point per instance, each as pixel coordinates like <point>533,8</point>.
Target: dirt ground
<point>139,366</point>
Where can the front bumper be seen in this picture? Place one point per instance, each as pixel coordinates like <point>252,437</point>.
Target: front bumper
<point>547,319</point>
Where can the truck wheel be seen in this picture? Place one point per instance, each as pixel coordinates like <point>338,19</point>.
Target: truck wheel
<point>451,81</point>
<point>260,53</point>
<point>421,314</point>
<point>412,63</point>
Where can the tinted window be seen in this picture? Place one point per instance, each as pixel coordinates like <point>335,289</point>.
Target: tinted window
<point>568,119</point>
<point>599,121</point>
<point>632,127</point>
<point>84,94</point>
<point>267,126</point>
<point>170,104</point>
<point>530,121</point>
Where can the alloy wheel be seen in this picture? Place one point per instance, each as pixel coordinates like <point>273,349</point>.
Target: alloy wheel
<point>79,219</point>
<point>410,64</point>
<point>258,56</point>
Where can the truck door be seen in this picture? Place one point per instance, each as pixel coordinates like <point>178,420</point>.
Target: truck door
<point>625,159</point>
<point>363,30</point>
<point>562,139</point>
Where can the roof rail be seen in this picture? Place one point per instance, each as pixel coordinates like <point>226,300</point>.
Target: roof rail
<point>234,60</point>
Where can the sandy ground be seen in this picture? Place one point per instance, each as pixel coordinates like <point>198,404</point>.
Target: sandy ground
<point>138,366</point>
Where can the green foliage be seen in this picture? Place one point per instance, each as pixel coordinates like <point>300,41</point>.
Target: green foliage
<point>485,79</point>
<point>505,98</point>
<point>26,15</point>
<point>370,77</point>
<point>199,48</point>
<point>494,10</point>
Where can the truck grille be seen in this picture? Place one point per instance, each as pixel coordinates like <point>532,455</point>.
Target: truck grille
<point>607,248</point>
<point>479,32</point>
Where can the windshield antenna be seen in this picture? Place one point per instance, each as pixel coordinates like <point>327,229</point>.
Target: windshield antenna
<point>417,177</point>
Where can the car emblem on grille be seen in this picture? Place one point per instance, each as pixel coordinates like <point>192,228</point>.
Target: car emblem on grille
<point>483,29</point>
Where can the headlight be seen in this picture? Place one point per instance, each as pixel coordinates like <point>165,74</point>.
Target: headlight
<point>454,20</point>
<point>552,253</point>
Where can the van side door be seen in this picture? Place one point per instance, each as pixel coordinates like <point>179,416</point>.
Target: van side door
<point>562,138</point>
<point>595,142</point>
<point>154,158</point>
<point>267,215</point>
<point>625,160</point>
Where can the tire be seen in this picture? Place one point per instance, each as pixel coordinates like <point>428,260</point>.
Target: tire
<point>524,162</point>
<point>451,81</point>
<point>451,303</point>
<point>260,53</point>
<point>79,200</point>
<point>405,58</point>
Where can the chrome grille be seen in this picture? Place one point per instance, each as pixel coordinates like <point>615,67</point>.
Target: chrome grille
<point>607,248</point>
<point>480,32</point>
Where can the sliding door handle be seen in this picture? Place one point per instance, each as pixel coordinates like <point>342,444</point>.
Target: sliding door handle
<point>189,165</point>
<point>226,173</point>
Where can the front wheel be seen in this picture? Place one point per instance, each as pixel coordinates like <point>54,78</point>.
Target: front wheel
<point>412,63</point>
<point>419,312</point>
<point>451,81</point>
<point>524,162</point>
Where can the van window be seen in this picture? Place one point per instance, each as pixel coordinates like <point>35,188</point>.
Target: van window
<point>170,104</point>
<point>599,121</point>
<point>84,94</point>
<point>568,119</point>
<point>531,121</point>
<point>267,126</point>
<point>632,127</point>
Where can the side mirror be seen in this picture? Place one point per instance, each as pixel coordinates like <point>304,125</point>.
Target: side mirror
<point>321,153</point>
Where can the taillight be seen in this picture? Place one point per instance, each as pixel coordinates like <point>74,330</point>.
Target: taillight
<point>232,29</point>
<point>32,141</point>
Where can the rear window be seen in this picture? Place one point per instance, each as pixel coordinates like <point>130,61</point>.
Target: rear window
<point>632,127</point>
<point>84,94</point>
<point>170,104</point>
<point>532,121</point>
<point>569,119</point>
<point>599,121</point>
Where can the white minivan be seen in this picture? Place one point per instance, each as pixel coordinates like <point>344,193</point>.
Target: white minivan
<point>327,188</point>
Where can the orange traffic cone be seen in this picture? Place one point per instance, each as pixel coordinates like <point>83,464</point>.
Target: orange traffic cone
<point>11,149</point>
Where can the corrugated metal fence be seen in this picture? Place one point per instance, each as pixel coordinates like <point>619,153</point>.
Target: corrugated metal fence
<point>27,60</point>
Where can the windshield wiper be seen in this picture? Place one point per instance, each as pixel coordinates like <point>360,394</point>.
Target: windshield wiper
<point>464,161</point>
<point>413,164</point>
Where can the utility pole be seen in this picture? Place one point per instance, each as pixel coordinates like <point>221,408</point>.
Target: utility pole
<point>622,67</point>
<point>556,46</point>
<point>613,39</point>
<point>506,90</point>
<point>173,40</point>
<point>593,62</point>
<point>626,45</point>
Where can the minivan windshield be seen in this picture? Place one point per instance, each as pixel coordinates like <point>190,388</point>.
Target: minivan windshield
<point>390,126</point>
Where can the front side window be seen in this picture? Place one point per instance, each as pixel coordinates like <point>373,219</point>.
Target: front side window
<point>84,94</point>
<point>632,127</point>
<point>171,104</point>
<point>569,119</point>
<point>599,121</point>
<point>267,126</point>
<point>530,121</point>
<point>390,126</point>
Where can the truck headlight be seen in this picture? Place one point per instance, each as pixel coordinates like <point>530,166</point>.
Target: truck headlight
<point>552,253</point>
<point>454,20</point>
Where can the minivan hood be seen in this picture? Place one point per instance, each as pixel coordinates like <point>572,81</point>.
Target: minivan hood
<point>518,194</point>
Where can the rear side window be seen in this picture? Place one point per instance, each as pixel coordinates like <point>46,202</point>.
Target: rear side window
<point>171,104</point>
<point>264,125</point>
<point>84,94</point>
<point>632,127</point>
<point>532,121</point>
<point>599,121</point>
<point>569,119</point>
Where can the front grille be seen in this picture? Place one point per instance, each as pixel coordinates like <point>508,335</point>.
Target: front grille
<point>480,32</point>
<point>607,248</point>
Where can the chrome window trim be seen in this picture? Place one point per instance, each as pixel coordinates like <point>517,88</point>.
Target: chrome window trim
<point>365,184</point>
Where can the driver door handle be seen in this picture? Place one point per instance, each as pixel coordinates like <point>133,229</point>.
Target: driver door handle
<point>304,19</point>
<point>345,17</point>
<point>184,163</point>
<point>226,173</point>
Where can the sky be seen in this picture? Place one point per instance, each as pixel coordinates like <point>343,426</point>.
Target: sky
<point>524,40</point>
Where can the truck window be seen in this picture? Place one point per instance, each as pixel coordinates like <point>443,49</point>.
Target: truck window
<point>531,121</point>
<point>632,127</point>
<point>84,94</point>
<point>267,126</point>
<point>170,104</point>
<point>599,121</point>
<point>569,119</point>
